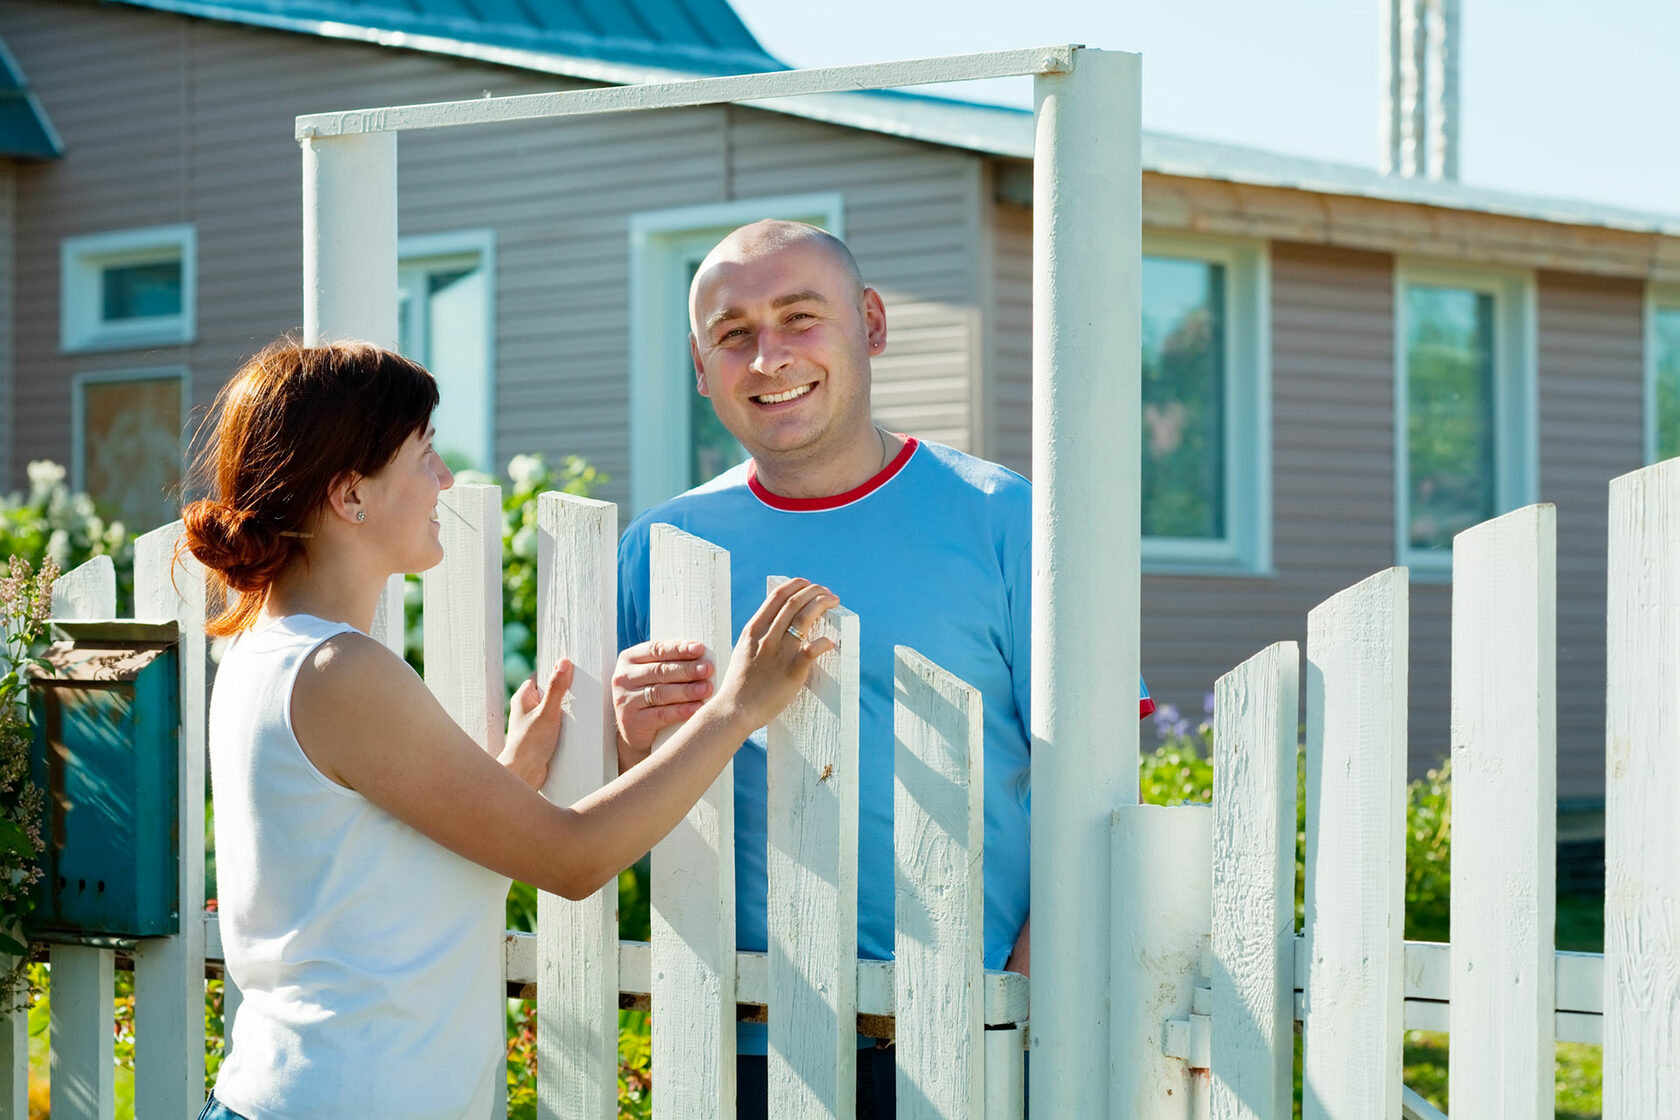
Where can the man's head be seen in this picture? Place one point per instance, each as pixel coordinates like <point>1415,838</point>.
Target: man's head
<point>783,332</point>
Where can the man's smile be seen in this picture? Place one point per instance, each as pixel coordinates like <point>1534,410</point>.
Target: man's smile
<point>778,398</point>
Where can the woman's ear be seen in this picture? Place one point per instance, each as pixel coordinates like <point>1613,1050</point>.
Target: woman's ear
<point>344,498</point>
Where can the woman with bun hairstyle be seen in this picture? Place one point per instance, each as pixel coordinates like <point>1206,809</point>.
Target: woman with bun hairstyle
<point>364,843</point>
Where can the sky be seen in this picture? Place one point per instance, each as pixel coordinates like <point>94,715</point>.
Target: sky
<point>1576,100</point>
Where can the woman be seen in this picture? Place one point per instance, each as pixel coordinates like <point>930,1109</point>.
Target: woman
<point>364,843</point>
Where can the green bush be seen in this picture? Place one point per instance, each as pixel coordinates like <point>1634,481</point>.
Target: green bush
<point>50,522</point>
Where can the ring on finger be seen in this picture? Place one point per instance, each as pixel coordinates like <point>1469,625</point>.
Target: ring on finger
<point>647,696</point>
<point>794,630</point>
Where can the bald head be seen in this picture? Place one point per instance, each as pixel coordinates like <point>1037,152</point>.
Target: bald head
<point>761,240</point>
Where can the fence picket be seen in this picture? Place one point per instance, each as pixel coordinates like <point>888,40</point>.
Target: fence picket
<point>1642,845</point>
<point>812,811</point>
<point>577,942</point>
<point>14,1058</point>
<point>169,971</point>
<point>1256,711</point>
<point>388,616</point>
<point>938,827</point>
<point>462,612</point>
<point>83,1054</point>
<point>1504,844</point>
<point>694,866</point>
<point>1163,911</point>
<point>1356,855</point>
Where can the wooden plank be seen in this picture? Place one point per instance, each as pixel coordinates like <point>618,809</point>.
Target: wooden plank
<point>1642,844</point>
<point>14,1058</point>
<point>83,1050</point>
<point>694,866</point>
<point>388,616</point>
<point>169,971</point>
<point>1255,712</point>
<point>1356,855</point>
<point>1006,1071</point>
<point>1163,912</point>
<point>462,614</point>
<point>812,809</point>
<point>938,831</point>
<point>1504,844</point>
<point>577,942</point>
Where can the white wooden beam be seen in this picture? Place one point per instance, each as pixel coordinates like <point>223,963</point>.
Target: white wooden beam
<point>1087,268</point>
<point>698,91</point>
<point>350,239</point>
<point>462,614</point>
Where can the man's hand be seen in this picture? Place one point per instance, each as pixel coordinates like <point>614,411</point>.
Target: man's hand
<point>656,685</point>
<point>1020,959</point>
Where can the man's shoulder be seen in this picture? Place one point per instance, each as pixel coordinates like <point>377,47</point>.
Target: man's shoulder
<point>961,471</point>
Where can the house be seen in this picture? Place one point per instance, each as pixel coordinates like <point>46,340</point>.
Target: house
<point>1341,369</point>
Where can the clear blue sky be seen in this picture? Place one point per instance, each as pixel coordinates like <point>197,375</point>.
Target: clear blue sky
<point>1562,98</point>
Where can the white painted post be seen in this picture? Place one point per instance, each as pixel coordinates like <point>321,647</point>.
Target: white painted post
<point>1642,844</point>
<point>169,971</point>
<point>1256,711</point>
<point>14,1058</point>
<point>462,614</point>
<point>694,866</point>
<point>577,942</point>
<point>1504,841</point>
<point>939,944</point>
<point>812,809</point>
<point>83,1056</point>
<point>1006,1085</point>
<point>1163,909</point>
<point>1087,267</point>
<point>1356,850</point>
<point>350,238</point>
<point>388,616</point>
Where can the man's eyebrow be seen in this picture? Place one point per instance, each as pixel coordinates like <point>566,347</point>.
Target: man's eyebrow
<point>804,295</point>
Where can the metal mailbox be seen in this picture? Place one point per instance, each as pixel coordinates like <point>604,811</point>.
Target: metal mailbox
<point>107,719</point>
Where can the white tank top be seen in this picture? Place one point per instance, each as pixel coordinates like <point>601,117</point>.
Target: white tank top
<point>369,957</point>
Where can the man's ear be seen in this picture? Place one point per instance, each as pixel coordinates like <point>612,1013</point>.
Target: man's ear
<point>344,497</point>
<point>699,369</point>
<point>874,321</point>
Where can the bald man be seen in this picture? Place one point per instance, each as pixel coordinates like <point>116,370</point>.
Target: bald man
<point>931,548</point>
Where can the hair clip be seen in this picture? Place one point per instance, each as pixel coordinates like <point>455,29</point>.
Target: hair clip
<point>295,533</point>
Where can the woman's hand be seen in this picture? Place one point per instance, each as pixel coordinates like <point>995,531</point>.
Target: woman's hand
<point>775,653</point>
<point>534,719</point>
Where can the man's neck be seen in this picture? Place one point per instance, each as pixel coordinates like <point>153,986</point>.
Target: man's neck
<point>826,476</point>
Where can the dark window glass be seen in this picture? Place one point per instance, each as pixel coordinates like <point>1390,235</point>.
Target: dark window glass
<point>1450,435</point>
<point>1184,398</point>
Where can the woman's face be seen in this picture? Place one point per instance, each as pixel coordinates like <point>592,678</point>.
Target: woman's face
<point>401,503</point>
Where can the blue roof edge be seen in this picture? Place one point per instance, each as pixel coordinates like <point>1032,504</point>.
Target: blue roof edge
<point>45,143</point>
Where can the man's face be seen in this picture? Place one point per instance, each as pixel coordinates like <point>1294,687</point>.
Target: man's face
<point>781,346</point>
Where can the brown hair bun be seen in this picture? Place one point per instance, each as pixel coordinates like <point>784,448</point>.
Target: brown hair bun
<point>246,550</point>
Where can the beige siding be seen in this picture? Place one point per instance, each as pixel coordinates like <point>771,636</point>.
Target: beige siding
<point>205,135</point>
<point>1011,336</point>
<point>1591,408</point>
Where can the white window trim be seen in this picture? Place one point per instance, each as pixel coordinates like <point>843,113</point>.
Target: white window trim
<point>1247,546</point>
<point>82,326</point>
<point>1657,297</point>
<point>460,243</point>
<point>1516,398</point>
<point>78,410</point>
<point>659,434</point>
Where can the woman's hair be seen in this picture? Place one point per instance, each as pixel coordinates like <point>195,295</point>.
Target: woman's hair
<point>294,420</point>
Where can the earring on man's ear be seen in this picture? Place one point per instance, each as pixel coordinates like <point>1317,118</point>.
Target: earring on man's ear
<point>361,515</point>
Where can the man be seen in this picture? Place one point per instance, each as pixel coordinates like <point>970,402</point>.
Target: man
<point>930,547</point>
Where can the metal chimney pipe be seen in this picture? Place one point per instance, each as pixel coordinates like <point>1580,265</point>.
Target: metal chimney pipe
<point>1419,69</point>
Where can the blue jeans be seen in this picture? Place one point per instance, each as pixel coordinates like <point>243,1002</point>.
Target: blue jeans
<point>216,1110</point>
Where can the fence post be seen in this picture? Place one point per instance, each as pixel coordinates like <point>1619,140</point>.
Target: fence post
<point>694,866</point>
<point>1256,712</point>
<point>350,238</point>
<point>1163,908</point>
<point>1642,844</point>
<point>1086,416</point>
<point>1504,841</point>
<point>577,942</point>
<point>938,829</point>
<point>14,1058</point>
<point>84,978</point>
<point>1356,851</point>
<point>169,972</point>
<point>812,810</point>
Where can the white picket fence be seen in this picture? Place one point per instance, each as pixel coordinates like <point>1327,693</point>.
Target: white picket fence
<point>1204,944</point>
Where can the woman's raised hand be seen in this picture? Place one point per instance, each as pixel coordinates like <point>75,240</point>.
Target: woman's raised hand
<point>534,719</point>
<point>775,652</point>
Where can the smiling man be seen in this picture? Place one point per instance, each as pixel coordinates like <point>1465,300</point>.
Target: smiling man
<point>931,548</point>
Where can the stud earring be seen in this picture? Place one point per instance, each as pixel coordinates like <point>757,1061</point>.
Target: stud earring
<point>361,515</point>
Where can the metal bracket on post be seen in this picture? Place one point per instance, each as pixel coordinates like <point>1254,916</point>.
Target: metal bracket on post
<point>1191,1037</point>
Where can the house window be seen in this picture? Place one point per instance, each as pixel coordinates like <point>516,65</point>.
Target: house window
<point>446,321</point>
<point>1464,407</point>
<point>1206,420</point>
<point>128,289</point>
<point>1662,364</point>
<point>676,441</point>
<point>127,447</point>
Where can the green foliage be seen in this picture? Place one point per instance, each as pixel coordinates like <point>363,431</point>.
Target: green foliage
<point>49,522</point>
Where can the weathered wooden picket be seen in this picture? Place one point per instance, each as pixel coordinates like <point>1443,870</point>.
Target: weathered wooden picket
<point>1205,942</point>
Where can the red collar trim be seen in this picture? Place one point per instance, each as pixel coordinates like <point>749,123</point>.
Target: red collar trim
<point>813,505</point>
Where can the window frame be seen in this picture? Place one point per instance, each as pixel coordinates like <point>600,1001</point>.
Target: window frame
<point>1658,297</point>
<point>659,240</point>
<point>82,263</point>
<point>1515,406</point>
<point>1246,548</point>
<point>460,243</point>
<point>79,383</point>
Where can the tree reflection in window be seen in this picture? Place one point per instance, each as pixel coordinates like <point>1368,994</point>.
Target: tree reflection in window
<point>1450,441</point>
<point>1183,398</point>
<point>1667,358</point>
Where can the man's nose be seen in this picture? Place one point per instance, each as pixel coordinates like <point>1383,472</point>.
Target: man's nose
<point>773,353</point>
